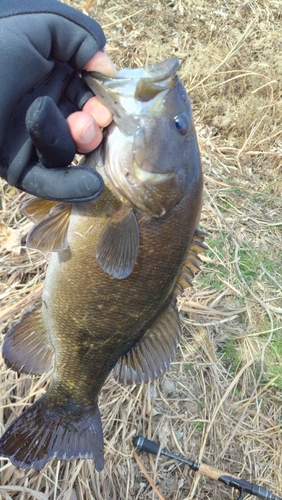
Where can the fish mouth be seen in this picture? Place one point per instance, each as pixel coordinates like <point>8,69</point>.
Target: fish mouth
<point>146,82</point>
<point>159,77</point>
<point>125,94</point>
<point>151,177</point>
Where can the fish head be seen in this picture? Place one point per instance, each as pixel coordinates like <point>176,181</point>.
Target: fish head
<point>150,150</point>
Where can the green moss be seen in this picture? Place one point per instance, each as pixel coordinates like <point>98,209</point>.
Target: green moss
<point>188,367</point>
<point>231,355</point>
<point>199,426</point>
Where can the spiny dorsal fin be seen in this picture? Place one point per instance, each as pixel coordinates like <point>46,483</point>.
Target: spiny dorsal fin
<point>118,244</point>
<point>26,348</point>
<point>50,233</point>
<point>197,243</point>
<point>192,262</point>
<point>37,208</point>
<point>153,354</point>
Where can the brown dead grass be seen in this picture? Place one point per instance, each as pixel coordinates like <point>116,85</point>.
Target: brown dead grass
<point>220,401</point>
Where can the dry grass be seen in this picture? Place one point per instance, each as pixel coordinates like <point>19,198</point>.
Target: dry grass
<point>220,402</point>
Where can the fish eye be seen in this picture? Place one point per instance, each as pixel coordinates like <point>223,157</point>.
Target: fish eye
<point>182,123</point>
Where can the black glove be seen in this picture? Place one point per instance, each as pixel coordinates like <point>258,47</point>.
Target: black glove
<point>43,47</point>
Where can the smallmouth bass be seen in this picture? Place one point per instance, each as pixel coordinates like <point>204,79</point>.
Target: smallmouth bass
<point>117,265</point>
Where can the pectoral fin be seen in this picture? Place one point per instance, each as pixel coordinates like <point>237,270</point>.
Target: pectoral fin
<point>37,208</point>
<point>50,233</point>
<point>153,354</point>
<point>26,348</point>
<point>117,246</point>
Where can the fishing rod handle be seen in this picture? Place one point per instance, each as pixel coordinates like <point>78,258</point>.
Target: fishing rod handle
<point>245,487</point>
<point>211,472</point>
<point>143,444</point>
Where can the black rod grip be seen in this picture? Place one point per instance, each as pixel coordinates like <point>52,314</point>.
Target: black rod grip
<point>143,444</point>
<point>245,487</point>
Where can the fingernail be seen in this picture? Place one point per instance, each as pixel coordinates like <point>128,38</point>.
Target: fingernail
<point>88,132</point>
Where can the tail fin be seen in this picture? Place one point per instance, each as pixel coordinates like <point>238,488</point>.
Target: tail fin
<point>41,434</point>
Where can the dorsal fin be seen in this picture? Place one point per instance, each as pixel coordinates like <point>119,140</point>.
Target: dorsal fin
<point>50,233</point>
<point>150,357</point>
<point>192,262</point>
<point>118,244</point>
<point>26,347</point>
<point>37,208</point>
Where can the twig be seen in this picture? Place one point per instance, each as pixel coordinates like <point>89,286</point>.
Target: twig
<point>20,304</point>
<point>123,19</point>
<point>143,469</point>
<point>89,5</point>
<point>270,277</point>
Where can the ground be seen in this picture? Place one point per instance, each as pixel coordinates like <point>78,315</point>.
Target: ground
<point>220,401</point>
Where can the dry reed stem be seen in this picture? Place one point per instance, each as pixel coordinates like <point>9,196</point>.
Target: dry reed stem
<point>143,469</point>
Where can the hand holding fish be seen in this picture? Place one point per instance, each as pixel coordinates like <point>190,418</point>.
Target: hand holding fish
<point>45,45</point>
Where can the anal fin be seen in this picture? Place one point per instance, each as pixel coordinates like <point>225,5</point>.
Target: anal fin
<point>118,244</point>
<point>153,354</point>
<point>26,348</point>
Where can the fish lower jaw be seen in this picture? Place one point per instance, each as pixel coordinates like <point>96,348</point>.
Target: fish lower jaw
<point>151,177</point>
